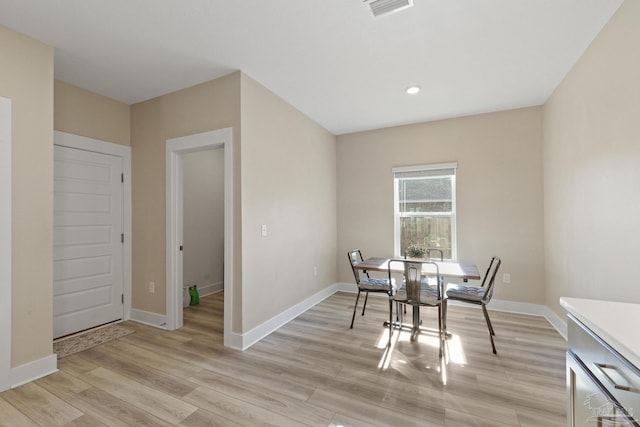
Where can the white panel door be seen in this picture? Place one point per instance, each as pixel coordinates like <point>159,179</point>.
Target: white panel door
<point>88,250</point>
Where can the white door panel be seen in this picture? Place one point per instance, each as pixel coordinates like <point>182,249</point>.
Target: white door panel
<point>88,222</point>
<point>89,299</point>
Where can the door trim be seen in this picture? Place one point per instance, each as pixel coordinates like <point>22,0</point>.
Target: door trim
<point>5,243</point>
<point>175,149</point>
<point>124,151</point>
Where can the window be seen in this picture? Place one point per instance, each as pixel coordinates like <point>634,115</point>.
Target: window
<point>425,207</point>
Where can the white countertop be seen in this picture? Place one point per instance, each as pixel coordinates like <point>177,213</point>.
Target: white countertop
<point>615,322</point>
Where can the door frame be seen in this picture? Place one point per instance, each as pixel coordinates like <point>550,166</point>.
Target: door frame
<point>70,140</point>
<point>176,148</point>
<point>5,244</point>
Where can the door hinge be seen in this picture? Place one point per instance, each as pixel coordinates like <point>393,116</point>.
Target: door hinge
<point>122,298</point>
<point>122,238</point>
<point>121,177</point>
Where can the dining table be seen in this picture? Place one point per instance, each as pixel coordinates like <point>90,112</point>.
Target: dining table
<point>447,270</point>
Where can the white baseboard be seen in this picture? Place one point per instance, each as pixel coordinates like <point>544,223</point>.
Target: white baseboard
<point>33,370</point>
<point>349,287</point>
<point>246,340</point>
<point>499,305</point>
<point>235,342</point>
<point>533,310</point>
<point>210,289</point>
<point>149,318</point>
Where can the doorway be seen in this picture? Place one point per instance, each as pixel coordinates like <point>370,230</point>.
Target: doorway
<point>176,149</point>
<point>88,240</point>
<point>203,224</point>
<point>92,153</point>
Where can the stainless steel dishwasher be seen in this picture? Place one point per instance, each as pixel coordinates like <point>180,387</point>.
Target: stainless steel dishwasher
<point>604,388</point>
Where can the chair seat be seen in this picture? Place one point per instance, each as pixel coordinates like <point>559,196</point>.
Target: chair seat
<point>470,293</point>
<point>429,280</point>
<point>428,295</point>
<point>373,284</point>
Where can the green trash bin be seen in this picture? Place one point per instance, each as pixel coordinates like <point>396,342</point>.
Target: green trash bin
<point>193,292</point>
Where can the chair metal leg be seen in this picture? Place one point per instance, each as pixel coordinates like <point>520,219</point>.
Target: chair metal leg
<point>391,319</point>
<point>354,309</point>
<point>366,297</point>
<point>440,331</point>
<point>444,316</point>
<point>486,316</point>
<point>491,333</point>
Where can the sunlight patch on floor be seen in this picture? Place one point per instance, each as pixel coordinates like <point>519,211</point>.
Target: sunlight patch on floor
<point>454,350</point>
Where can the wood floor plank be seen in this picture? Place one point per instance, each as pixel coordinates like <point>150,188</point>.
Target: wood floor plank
<point>314,370</point>
<point>296,409</point>
<point>76,365</point>
<point>499,413</point>
<point>459,418</point>
<point>41,406</point>
<point>159,404</point>
<point>156,360</point>
<point>236,409</point>
<point>340,420</point>
<point>113,411</point>
<point>97,404</point>
<point>114,360</point>
<point>203,418</point>
<point>62,383</point>
<point>254,374</point>
<point>85,421</point>
<point>12,417</point>
<point>369,412</point>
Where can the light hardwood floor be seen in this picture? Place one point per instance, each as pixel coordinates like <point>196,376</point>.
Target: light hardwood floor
<point>313,371</point>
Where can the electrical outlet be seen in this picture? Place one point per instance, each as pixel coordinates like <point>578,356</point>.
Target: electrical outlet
<point>506,278</point>
<point>263,230</point>
<point>315,271</point>
<point>152,287</point>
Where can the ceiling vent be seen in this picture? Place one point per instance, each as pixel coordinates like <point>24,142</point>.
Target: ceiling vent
<point>383,7</point>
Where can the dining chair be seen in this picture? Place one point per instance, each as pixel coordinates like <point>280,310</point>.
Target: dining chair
<point>430,257</point>
<point>479,295</point>
<point>368,284</point>
<point>415,291</point>
<point>434,250</point>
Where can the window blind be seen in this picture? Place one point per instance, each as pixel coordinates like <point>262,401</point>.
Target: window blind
<point>423,171</point>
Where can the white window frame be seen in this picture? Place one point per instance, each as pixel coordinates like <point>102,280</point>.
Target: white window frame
<point>431,169</point>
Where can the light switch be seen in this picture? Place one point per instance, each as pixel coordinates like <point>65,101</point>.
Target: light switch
<point>263,230</point>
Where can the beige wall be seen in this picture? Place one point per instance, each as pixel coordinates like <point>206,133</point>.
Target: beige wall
<point>85,113</point>
<point>499,191</point>
<point>26,77</point>
<point>205,107</point>
<point>286,180</point>
<point>289,184</point>
<point>203,217</point>
<point>591,169</point>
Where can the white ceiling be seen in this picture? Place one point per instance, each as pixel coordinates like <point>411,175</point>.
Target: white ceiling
<point>331,59</point>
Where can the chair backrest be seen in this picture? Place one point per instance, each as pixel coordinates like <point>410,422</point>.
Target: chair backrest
<point>413,278</point>
<point>431,250</point>
<point>355,256</point>
<point>490,278</point>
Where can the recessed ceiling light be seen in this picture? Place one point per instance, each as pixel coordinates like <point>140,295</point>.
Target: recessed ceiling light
<point>382,7</point>
<point>412,90</point>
